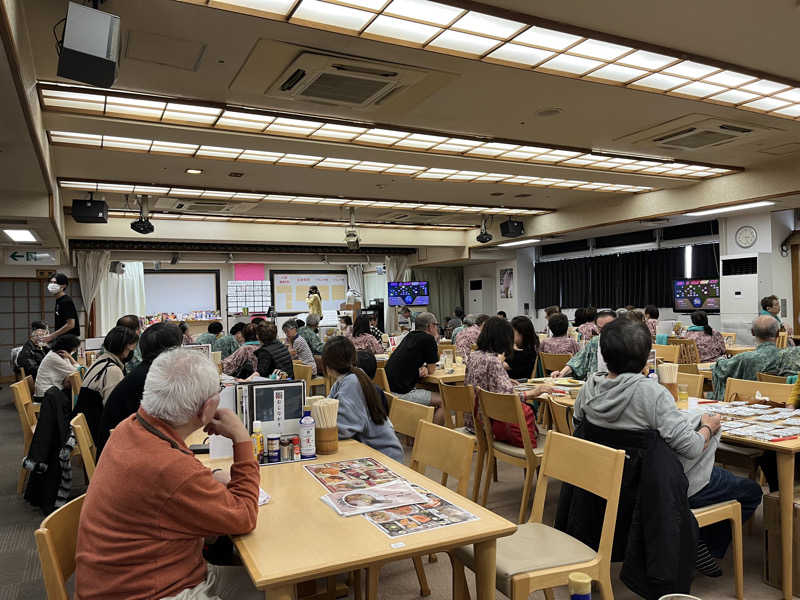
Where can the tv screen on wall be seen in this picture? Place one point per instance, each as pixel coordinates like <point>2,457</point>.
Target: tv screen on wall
<point>695,294</point>
<point>408,293</point>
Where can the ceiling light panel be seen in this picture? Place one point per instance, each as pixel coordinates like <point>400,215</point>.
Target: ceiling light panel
<point>270,124</point>
<point>442,27</point>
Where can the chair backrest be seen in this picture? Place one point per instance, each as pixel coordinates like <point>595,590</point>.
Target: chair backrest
<point>688,368</point>
<point>554,362</point>
<point>687,350</point>
<point>444,449</point>
<point>445,347</point>
<point>75,381</point>
<point>405,415</point>
<point>302,372</point>
<point>783,339</point>
<point>695,383</point>
<point>771,378</point>
<point>216,357</point>
<point>591,467</point>
<point>85,443</point>
<point>506,408</point>
<point>562,416</point>
<point>730,338</point>
<point>55,540</point>
<point>381,380</point>
<point>457,400</point>
<point>24,405</point>
<point>666,353</point>
<point>743,388</point>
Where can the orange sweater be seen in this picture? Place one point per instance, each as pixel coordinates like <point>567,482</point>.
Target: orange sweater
<point>149,507</point>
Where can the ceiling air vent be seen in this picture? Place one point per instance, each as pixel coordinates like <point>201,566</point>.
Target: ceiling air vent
<point>342,81</point>
<point>190,205</point>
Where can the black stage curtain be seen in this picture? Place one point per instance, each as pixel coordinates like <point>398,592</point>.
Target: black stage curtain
<point>574,282</point>
<point>547,283</point>
<point>705,261</point>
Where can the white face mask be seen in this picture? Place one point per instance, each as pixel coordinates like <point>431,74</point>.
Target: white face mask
<point>53,288</point>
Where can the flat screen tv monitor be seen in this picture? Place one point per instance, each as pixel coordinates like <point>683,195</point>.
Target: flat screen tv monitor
<point>408,293</point>
<point>695,294</point>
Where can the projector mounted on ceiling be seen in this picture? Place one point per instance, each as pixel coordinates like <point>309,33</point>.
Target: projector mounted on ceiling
<point>351,234</point>
<point>142,224</point>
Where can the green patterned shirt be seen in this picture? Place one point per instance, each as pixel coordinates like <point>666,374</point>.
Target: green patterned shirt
<point>311,336</point>
<point>205,338</point>
<point>584,363</point>
<point>226,345</point>
<point>764,359</point>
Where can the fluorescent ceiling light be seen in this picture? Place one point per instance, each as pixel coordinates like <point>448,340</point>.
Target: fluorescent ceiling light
<point>727,209</point>
<point>400,29</point>
<point>570,64</point>
<point>270,7</point>
<point>764,86</point>
<point>475,22</point>
<point>729,78</point>
<point>519,243</point>
<point>520,55</point>
<point>659,82</point>
<point>463,43</point>
<point>599,50</point>
<point>546,38</point>
<point>425,11</point>
<point>646,60</point>
<point>194,171</point>
<point>330,16</point>
<point>698,89</point>
<point>617,73</point>
<point>20,235</point>
<point>734,97</point>
<point>690,69</point>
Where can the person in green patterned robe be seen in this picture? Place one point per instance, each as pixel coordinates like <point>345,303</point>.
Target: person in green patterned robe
<point>309,333</point>
<point>214,331</point>
<point>228,344</point>
<point>789,363</point>
<point>585,362</point>
<point>764,359</point>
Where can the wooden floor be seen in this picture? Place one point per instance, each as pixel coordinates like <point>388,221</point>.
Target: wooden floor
<point>20,577</point>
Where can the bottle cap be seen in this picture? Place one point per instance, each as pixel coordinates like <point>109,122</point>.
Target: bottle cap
<point>580,583</point>
<point>256,426</point>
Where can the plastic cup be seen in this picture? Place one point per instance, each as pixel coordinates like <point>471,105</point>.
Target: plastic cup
<point>683,392</point>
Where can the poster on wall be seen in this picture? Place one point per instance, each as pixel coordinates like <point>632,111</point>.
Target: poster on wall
<point>506,283</point>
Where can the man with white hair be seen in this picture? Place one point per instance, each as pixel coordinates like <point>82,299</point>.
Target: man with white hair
<point>151,503</point>
<point>309,332</point>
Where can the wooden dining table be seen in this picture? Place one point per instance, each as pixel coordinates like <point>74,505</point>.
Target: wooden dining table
<point>455,374</point>
<point>299,538</point>
<point>734,350</point>
<point>785,453</point>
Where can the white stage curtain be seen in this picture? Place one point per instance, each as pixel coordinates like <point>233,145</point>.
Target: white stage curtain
<point>396,267</point>
<point>121,295</point>
<point>92,270</point>
<point>355,281</point>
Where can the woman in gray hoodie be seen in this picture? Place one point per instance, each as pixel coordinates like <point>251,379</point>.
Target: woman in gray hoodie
<point>624,398</point>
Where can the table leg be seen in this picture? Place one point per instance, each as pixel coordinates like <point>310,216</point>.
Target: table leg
<point>786,490</point>
<point>372,582</point>
<point>485,569</point>
<point>281,592</point>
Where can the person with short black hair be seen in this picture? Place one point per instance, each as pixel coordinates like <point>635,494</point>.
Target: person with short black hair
<point>373,328</point>
<point>362,415</point>
<point>409,315</point>
<point>187,337</point>
<point>258,321</point>
<point>108,369</point>
<point>131,322</point>
<point>502,314</point>
<point>57,365</point>
<point>625,399</point>
<point>469,336</point>
<point>125,398</point>
<point>273,355</point>
<point>551,310</point>
<point>526,346</point>
<point>710,343</point>
<point>243,362</point>
<point>228,344</point>
<point>589,359</point>
<point>210,336</point>
<point>66,315</point>
<point>651,314</point>
<point>298,347</point>
<point>362,337</point>
<point>485,370</point>
<point>559,342</point>
<point>33,350</point>
<point>413,359</point>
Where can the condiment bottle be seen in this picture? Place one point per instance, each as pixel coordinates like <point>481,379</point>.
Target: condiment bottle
<point>258,441</point>
<point>308,445</point>
<point>580,586</point>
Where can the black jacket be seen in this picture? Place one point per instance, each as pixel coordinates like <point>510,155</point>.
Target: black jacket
<point>50,436</point>
<point>656,533</point>
<point>30,357</point>
<point>274,355</point>
<point>122,403</point>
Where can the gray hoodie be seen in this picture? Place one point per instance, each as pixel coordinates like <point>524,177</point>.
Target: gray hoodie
<point>634,402</point>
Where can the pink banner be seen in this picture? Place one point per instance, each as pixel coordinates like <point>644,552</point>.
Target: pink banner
<point>249,271</point>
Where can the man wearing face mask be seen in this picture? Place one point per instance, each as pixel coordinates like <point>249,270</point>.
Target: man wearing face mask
<point>66,316</point>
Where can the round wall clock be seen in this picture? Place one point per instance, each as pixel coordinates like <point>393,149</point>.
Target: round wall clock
<point>746,236</point>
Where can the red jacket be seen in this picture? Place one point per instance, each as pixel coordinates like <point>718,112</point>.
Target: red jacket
<point>148,509</point>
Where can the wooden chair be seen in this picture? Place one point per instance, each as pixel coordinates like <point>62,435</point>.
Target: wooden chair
<point>687,350</point>
<point>405,416</point>
<point>766,377</point>
<point>75,380</point>
<point>553,362</point>
<point>447,347</point>
<point>783,339</point>
<point>730,338</point>
<point>458,400</point>
<point>27,420</point>
<point>562,416</point>
<point>727,511</point>
<point>444,449</point>
<point>508,408</point>
<point>381,380</point>
<point>695,383</point>
<point>86,446</point>
<point>55,540</point>
<point>304,372</point>
<point>776,392</point>
<point>667,353</point>
<point>688,368</point>
<point>521,569</point>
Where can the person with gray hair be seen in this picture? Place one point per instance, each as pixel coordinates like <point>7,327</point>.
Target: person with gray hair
<point>152,503</point>
<point>747,365</point>
<point>310,333</point>
<point>298,347</point>
<point>414,359</point>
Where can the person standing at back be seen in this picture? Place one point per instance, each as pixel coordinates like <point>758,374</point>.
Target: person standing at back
<point>66,315</point>
<point>314,301</point>
<point>413,359</point>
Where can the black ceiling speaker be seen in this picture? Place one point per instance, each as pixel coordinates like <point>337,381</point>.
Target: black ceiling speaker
<point>90,211</point>
<point>511,228</point>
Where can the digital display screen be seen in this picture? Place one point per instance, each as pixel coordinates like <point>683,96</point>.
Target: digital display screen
<point>411,293</point>
<point>696,294</point>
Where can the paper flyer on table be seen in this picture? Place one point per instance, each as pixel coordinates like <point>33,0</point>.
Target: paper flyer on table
<point>348,475</point>
<point>386,496</point>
